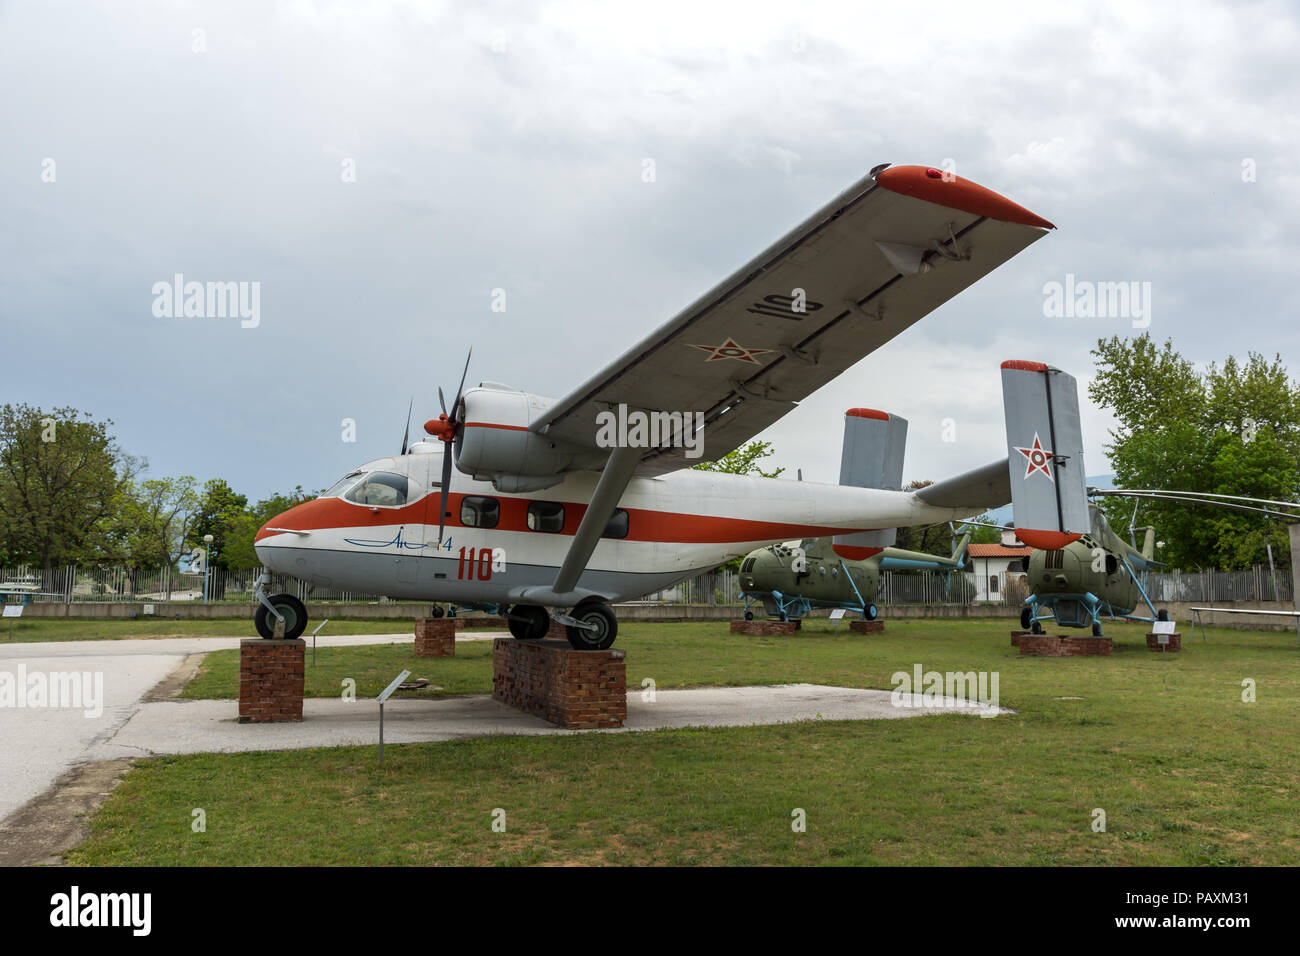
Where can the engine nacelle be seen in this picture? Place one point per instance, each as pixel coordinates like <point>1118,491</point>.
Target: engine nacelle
<point>495,444</point>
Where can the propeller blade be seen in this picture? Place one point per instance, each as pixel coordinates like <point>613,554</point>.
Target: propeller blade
<point>406,435</point>
<point>442,401</point>
<point>446,487</point>
<point>461,388</point>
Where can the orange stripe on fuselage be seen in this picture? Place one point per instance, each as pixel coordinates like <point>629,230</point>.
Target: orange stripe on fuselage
<point>643,524</point>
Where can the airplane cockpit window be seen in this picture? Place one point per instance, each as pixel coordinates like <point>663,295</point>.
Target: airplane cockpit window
<point>343,484</point>
<point>382,489</point>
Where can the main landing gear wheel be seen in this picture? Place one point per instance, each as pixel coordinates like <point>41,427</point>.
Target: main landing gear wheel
<point>436,611</point>
<point>1025,617</point>
<point>606,627</point>
<point>528,622</point>
<point>1035,627</point>
<point>870,613</point>
<point>1162,615</point>
<point>295,617</point>
<point>749,615</point>
<point>1096,630</point>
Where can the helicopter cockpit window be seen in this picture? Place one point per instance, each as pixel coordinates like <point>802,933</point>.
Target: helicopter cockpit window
<point>382,489</point>
<point>342,485</point>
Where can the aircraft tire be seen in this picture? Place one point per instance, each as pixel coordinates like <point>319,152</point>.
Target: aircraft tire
<point>871,612</point>
<point>749,615</point>
<point>1026,616</point>
<point>1035,627</point>
<point>529,622</point>
<point>1096,630</point>
<point>606,623</point>
<point>295,617</point>
<point>1162,615</point>
<point>436,611</point>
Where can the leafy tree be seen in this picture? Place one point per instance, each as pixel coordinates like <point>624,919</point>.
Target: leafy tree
<point>743,461</point>
<point>1233,430</point>
<point>62,476</point>
<point>151,523</point>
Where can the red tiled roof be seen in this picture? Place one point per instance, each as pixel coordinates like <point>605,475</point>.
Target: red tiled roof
<point>996,551</point>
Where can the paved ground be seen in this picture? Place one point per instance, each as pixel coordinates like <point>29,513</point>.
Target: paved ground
<point>61,761</point>
<point>38,744</point>
<point>194,726</point>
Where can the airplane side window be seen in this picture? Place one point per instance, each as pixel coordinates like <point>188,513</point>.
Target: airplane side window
<point>617,527</point>
<point>547,516</point>
<point>381,489</point>
<point>479,512</point>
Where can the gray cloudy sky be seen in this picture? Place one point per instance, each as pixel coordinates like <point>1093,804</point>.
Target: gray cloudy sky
<point>501,146</point>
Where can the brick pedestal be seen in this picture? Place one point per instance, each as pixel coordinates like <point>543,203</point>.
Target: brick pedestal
<point>867,627</point>
<point>1175,642</point>
<point>570,688</point>
<point>1052,645</point>
<point>764,628</point>
<point>435,637</point>
<point>271,680</point>
<point>1016,636</point>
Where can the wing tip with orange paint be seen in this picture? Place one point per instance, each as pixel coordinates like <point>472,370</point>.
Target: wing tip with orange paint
<point>949,189</point>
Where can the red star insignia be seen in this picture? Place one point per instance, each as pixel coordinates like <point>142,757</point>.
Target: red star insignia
<point>731,350</point>
<point>1038,459</point>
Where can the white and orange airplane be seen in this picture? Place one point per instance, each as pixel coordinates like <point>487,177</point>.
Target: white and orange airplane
<point>563,507</point>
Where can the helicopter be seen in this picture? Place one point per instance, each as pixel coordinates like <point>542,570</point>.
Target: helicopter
<point>792,578</point>
<point>1095,575</point>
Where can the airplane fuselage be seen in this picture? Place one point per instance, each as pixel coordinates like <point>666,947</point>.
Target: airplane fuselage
<point>498,546</point>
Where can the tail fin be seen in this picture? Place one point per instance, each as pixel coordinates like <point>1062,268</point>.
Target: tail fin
<point>874,443</point>
<point>896,559</point>
<point>1149,544</point>
<point>1044,454</point>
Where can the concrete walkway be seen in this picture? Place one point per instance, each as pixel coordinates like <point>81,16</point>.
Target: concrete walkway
<point>40,744</point>
<point>201,726</point>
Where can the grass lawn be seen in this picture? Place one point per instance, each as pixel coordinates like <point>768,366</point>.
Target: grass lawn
<point>1186,773</point>
<point>63,629</point>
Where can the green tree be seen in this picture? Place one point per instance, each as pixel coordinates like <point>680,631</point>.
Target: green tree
<point>1232,430</point>
<point>62,476</point>
<point>150,528</point>
<point>743,461</point>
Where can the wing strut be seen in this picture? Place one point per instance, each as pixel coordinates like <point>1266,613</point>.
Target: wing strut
<point>604,500</point>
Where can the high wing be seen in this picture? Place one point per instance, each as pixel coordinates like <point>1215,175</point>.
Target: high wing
<point>886,252</point>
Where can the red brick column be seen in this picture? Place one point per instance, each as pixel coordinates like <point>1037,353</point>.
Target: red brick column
<point>1016,636</point>
<point>271,680</point>
<point>764,628</point>
<point>1050,645</point>
<point>867,627</point>
<point>1175,642</point>
<point>435,637</point>
<point>570,688</point>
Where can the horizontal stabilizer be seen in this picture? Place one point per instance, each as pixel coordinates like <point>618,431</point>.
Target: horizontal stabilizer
<point>986,487</point>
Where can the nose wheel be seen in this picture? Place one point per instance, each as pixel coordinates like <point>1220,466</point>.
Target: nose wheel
<point>290,608</point>
<point>597,627</point>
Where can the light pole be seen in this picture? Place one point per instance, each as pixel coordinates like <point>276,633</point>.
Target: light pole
<point>207,564</point>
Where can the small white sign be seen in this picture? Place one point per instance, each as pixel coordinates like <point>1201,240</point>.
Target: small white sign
<point>1162,639</point>
<point>397,682</point>
<point>148,609</point>
<point>13,610</point>
<point>1164,627</point>
<point>837,614</point>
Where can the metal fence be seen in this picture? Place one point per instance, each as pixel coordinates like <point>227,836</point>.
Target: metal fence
<point>721,587</point>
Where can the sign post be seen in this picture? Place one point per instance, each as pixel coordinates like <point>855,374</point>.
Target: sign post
<point>313,640</point>
<point>12,611</point>
<point>1162,630</point>
<point>383,696</point>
